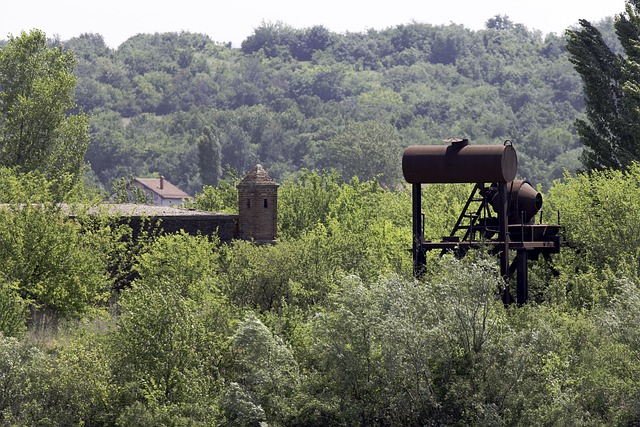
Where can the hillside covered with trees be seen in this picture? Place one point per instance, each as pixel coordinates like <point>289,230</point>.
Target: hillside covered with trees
<point>328,327</point>
<point>309,98</point>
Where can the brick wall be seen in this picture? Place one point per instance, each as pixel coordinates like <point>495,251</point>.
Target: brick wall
<point>225,226</point>
<point>258,210</point>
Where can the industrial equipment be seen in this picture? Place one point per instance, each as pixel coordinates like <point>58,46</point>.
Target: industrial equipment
<point>515,203</point>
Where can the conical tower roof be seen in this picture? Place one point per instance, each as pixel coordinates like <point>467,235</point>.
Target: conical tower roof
<point>257,177</point>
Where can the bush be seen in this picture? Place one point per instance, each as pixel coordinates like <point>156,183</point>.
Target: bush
<point>55,266</point>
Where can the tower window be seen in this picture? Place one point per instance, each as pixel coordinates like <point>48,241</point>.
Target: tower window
<point>266,204</point>
<point>249,203</point>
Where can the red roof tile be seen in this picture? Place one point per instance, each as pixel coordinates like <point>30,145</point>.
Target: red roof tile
<point>162,187</point>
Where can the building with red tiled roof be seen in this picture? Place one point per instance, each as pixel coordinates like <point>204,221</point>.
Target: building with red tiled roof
<point>161,191</point>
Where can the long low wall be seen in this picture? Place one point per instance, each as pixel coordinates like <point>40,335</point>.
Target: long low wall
<point>224,226</point>
<point>172,220</point>
<point>167,219</point>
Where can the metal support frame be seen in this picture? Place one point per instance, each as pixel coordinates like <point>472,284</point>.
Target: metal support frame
<point>503,235</point>
<point>527,240</point>
<point>419,257</point>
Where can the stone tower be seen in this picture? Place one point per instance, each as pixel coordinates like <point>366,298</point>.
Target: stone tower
<point>258,206</point>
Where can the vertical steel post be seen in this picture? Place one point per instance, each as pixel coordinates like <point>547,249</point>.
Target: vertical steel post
<point>522,289</point>
<point>419,258</point>
<point>503,227</point>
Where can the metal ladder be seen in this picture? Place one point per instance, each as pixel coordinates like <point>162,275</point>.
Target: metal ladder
<point>468,217</point>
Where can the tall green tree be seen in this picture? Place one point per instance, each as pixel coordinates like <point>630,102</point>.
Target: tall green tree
<point>367,149</point>
<point>611,133</point>
<point>40,128</point>
<point>209,157</point>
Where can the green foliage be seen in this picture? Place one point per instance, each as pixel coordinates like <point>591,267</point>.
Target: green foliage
<point>157,335</point>
<point>499,22</point>
<point>239,409</point>
<point>53,265</point>
<point>264,374</point>
<point>171,334</point>
<point>270,277</point>
<point>209,157</point>
<point>166,351</point>
<point>611,91</point>
<point>367,230</point>
<point>393,352</point>
<point>223,197</point>
<point>446,351</point>
<point>328,327</point>
<point>357,228</point>
<point>441,205</point>
<point>189,262</point>
<point>599,224</point>
<point>13,311</point>
<point>21,367</point>
<point>107,150</point>
<point>77,387</point>
<point>305,202</point>
<point>38,131</point>
<point>290,98</point>
<point>367,150</point>
<point>34,187</point>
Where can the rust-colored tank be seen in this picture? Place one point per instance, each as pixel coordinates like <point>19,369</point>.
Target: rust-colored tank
<point>524,202</point>
<point>459,162</point>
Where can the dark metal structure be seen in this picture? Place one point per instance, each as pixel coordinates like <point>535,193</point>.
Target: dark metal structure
<point>515,203</point>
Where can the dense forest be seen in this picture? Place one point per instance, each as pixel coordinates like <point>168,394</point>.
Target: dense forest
<point>309,98</point>
<point>328,327</point>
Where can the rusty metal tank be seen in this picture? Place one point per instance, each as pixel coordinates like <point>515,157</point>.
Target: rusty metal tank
<point>524,202</point>
<point>459,162</point>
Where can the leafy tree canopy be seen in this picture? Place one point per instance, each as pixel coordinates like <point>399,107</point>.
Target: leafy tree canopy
<point>611,131</point>
<point>40,129</point>
<point>289,96</point>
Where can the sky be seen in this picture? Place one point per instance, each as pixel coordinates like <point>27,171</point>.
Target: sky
<point>234,20</point>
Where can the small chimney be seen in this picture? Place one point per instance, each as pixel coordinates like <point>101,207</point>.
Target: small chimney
<point>161,182</point>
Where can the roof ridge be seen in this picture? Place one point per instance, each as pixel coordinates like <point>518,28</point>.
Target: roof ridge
<point>257,176</point>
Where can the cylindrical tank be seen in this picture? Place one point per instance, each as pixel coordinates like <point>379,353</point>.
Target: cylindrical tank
<point>524,202</point>
<point>459,163</point>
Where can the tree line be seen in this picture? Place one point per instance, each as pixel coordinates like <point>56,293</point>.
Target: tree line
<point>309,98</point>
